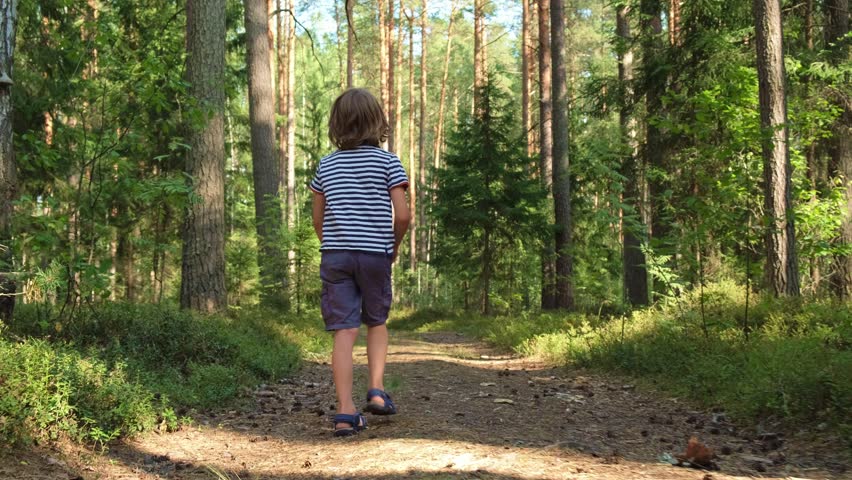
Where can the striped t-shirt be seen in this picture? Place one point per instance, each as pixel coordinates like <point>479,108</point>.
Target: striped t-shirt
<point>356,185</point>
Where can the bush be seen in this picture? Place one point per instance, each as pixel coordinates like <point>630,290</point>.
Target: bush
<point>123,368</point>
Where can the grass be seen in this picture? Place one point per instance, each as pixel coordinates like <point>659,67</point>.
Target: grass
<point>795,366</point>
<point>123,368</point>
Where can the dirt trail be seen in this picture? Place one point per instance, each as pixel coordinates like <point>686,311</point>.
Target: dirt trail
<point>455,423</point>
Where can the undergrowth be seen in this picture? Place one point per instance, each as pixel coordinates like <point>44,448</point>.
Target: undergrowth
<point>124,368</point>
<point>795,364</point>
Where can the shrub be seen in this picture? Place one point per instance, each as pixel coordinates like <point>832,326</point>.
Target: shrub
<point>124,368</point>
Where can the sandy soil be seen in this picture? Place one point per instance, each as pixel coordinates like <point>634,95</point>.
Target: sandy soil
<point>465,413</point>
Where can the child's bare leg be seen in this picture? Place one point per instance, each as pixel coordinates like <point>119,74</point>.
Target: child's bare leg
<point>341,367</point>
<point>377,350</point>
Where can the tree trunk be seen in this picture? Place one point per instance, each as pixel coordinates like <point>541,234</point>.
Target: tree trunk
<point>837,26</point>
<point>526,74</point>
<point>674,22</point>
<point>125,255</point>
<point>203,264</point>
<point>412,166</point>
<point>264,164</point>
<point>282,47</point>
<point>781,266</point>
<point>479,48</point>
<point>653,150</point>
<point>392,146</point>
<point>291,123</point>
<point>635,273</point>
<point>8,174</point>
<point>545,125</point>
<point>837,14</point>
<point>561,175</point>
<point>439,132</point>
<point>486,274</point>
<point>270,49</point>
<point>809,24</point>
<point>421,149</point>
<point>350,43</point>
<point>812,162</point>
<point>338,44</point>
<point>383,55</point>
<point>397,129</point>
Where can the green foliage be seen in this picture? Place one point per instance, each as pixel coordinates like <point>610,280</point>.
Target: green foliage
<point>124,368</point>
<point>487,203</point>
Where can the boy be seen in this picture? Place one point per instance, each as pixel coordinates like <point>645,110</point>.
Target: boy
<point>360,215</point>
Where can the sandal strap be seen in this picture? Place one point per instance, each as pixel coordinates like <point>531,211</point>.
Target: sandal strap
<point>375,392</point>
<point>357,421</point>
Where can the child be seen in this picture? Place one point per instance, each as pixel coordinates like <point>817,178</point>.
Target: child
<point>354,190</point>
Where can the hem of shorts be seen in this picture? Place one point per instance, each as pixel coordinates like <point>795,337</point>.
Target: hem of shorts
<point>334,328</point>
<point>379,324</point>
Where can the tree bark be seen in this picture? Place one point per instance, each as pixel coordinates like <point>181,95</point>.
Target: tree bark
<point>338,44</point>
<point>270,35</point>
<point>203,264</point>
<point>674,22</point>
<point>837,26</point>
<point>479,48</point>
<point>392,146</point>
<point>421,149</point>
<point>265,169</point>
<point>291,123</point>
<point>809,24</point>
<point>545,125</point>
<point>526,74</point>
<point>397,130</point>
<point>8,168</point>
<point>561,174</point>
<point>837,15</point>
<point>781,266</point>
<point>282,49</point>
<point>635,273</point>
<point>654,150</point>
<point>383,55</point>
<point>439,132</point>
<point>125,256</point>
<point>350,43</point>
<point>412,188</point>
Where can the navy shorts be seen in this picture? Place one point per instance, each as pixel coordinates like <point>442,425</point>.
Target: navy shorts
<point>356,288</point>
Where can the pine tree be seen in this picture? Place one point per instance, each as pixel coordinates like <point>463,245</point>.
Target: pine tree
<point>782,271</point>
<point>264,163</point>
<point>203,267</point>
<point>486,198</point>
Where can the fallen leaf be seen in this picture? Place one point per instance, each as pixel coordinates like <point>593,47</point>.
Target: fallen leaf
<point>697,454</point>
<point>487,384</point>
<point>504,400</point>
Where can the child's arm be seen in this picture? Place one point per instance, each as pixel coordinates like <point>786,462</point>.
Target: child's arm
<point>318,213</point>
<point>401,217</point>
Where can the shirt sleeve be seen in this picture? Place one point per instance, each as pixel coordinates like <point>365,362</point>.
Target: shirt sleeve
<point>396,174</point>
<point>316,183</point>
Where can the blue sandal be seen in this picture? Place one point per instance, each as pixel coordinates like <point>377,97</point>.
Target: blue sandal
<point>387,409</point>
<point>357,421</point>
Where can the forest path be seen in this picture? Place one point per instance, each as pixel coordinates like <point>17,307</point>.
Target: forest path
<point>454,423</point>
